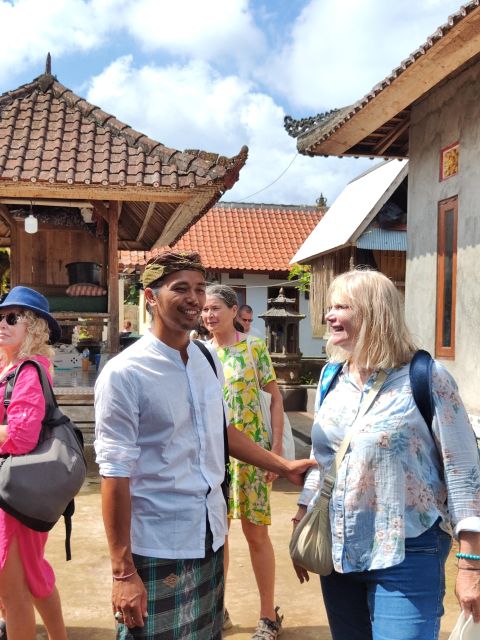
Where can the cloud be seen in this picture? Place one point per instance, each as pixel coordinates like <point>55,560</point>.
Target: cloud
<point>199,74</point>
<point>194,106</point>
<point>337,51</point>
<point>210,30</point>
<point>30,29</point>
<point>189,106</point>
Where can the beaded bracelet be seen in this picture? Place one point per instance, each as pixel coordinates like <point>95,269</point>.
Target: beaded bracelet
<point>467,556</point>
<point>128,575</point>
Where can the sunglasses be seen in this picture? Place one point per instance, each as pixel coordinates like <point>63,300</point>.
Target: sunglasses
<point>11,318</point>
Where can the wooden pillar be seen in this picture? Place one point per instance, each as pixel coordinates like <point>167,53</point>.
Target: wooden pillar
<point>113,301</point>
<point>14,252</point>
<point>351,261</point>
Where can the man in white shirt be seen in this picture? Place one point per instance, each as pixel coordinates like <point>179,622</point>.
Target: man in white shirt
<point>159,443</point>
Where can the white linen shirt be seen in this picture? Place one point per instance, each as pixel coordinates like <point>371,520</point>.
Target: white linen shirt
<point>159,422</point>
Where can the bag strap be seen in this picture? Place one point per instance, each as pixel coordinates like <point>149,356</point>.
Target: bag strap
<point>210,359</point>
<point>252,360</point>
<point>421,383</point>
<point>329,374</point>
<point>342,449</point>
<point>207,354</point>
<point>50,400</point>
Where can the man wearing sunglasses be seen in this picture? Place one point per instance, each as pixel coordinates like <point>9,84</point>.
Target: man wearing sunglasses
<point>245,318</point>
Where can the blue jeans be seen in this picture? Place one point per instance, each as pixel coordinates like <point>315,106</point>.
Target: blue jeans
<point>404,602</point>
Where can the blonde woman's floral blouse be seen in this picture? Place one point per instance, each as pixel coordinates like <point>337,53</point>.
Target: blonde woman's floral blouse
<point>396,479</point>
<point>249,493</point>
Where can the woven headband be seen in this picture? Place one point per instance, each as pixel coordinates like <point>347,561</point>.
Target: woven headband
<point>155,270</point>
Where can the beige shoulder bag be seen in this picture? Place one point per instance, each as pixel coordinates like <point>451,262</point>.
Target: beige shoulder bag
<point>311,542</point>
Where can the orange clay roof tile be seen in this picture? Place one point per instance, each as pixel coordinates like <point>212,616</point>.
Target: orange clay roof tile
<point>243,237</point>
<point>49,134</point>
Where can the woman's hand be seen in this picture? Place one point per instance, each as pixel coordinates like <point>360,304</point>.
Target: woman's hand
<point>302,574</point>
<point>467,590</point>
<point>270,476</point>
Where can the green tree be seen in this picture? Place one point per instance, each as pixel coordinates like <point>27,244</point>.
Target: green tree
<point>301,273</point>
<point>131,293</point>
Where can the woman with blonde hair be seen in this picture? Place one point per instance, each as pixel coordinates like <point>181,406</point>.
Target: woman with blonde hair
<point>27,580</point>
<point>401,491</point>
<point>245,361</point>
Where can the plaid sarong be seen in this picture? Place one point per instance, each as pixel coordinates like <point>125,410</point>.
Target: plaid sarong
<point>185,598</point>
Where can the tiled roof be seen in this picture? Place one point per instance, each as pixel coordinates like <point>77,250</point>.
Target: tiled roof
<point>48,134</point>
<point>312,131</point>
<point>243,237</point>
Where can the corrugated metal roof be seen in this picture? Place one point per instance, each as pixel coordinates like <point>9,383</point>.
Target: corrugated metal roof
<point>383,240</point>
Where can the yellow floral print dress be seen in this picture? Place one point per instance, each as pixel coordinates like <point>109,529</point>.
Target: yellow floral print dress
<point>249,493</point>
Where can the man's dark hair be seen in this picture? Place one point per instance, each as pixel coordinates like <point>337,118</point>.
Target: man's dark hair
<point>245,307</point>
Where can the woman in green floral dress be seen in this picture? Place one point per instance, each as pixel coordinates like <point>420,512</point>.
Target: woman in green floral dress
<point>250,486</point>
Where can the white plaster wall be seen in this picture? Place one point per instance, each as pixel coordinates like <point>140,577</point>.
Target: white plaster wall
<point>256,288</point>
<point>449,113</point>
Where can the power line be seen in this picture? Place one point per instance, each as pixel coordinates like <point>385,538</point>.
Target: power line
<point>287,283</point>
<point>241,199</point>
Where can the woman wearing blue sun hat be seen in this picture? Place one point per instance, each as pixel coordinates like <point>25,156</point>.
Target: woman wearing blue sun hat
<point>27,581</point>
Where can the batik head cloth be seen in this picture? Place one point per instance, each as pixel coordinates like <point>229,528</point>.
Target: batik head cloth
<point>169,262</point>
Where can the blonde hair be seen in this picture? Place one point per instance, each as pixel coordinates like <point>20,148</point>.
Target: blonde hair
<point>35,342</point>
<point>383,340</point>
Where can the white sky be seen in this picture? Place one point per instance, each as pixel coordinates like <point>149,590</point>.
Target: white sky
<point>217,74</point>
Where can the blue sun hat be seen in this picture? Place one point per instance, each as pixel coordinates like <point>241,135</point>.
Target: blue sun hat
<point>27,298</point>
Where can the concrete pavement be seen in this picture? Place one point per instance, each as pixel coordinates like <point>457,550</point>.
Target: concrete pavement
<point>85,582</point>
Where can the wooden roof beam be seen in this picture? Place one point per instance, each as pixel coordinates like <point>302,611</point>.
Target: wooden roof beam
<point>48,203</point>
<point>101,210</point>
<point>146,221</point>
<point>388,140</point>
<point>40,191</point>
<point>183,217</point>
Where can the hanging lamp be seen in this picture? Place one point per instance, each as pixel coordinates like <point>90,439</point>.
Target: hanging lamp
<point>31,222</point>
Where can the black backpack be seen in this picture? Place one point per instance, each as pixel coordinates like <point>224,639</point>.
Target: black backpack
<point>38,487</point>
<point>226,480</point>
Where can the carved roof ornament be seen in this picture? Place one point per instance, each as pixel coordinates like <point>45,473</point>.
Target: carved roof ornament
<point>282,307</point>
<point>296,128</point>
